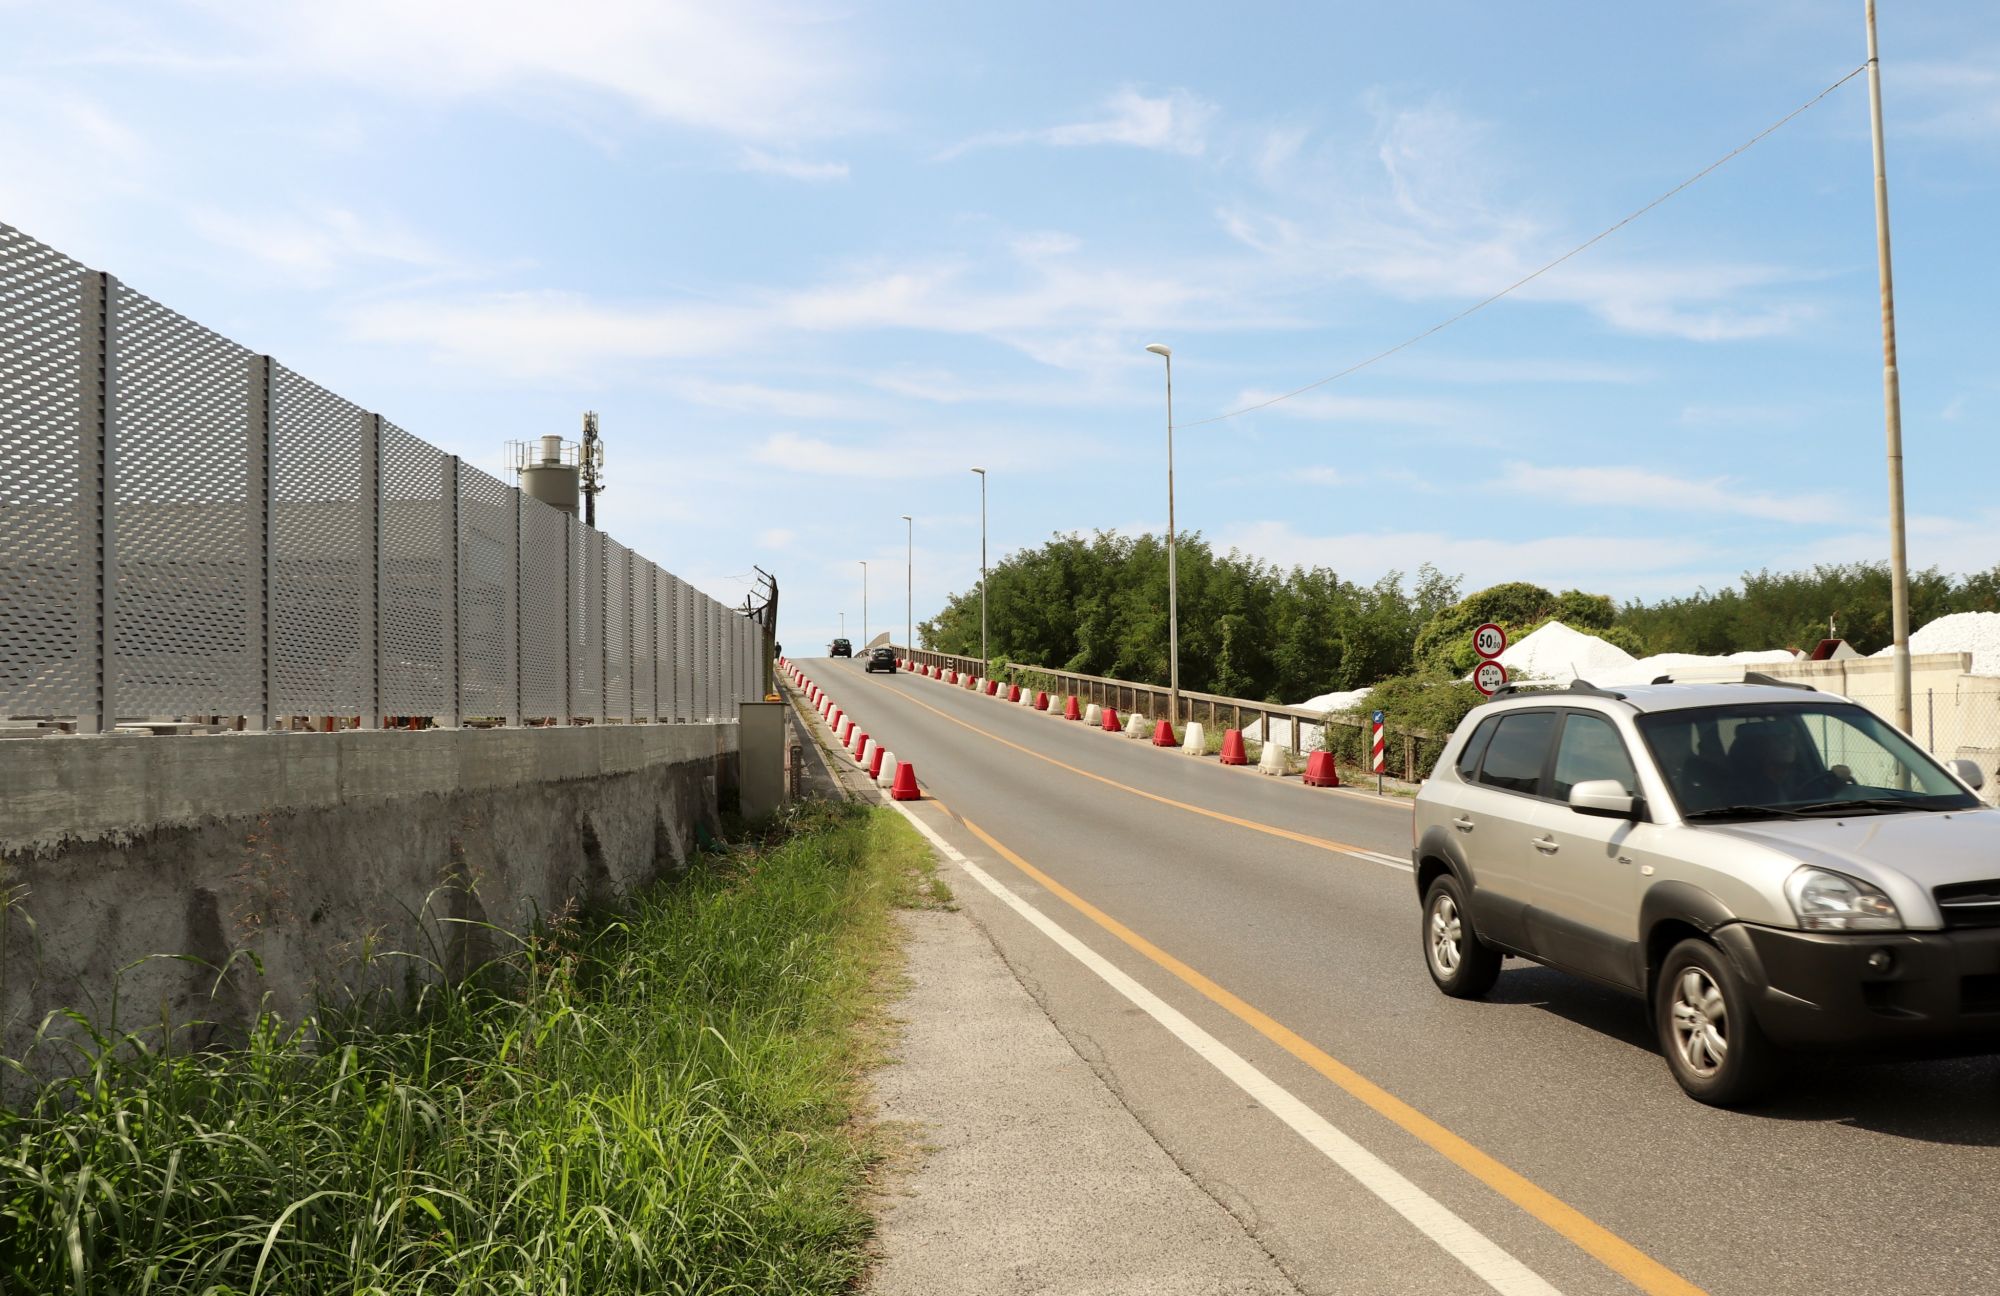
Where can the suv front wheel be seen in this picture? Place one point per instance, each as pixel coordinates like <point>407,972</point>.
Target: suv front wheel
<point>1713,1043</point>
<point>1463,966</point>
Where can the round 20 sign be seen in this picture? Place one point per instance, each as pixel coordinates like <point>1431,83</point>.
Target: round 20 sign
<point>1488,676</point>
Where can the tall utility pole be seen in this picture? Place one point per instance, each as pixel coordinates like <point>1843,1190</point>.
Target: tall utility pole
<point>864,601</point>
<point>1892,395</point>
<point>909,582</point>
<point>985,659</point>
<point>1166,352</point>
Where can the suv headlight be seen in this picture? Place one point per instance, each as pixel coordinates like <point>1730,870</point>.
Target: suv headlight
<point>1827,901</point>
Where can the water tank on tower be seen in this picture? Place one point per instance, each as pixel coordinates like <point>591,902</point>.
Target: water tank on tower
<point>548,469</point>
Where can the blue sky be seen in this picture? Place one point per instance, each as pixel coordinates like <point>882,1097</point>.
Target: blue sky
<point>811,263</point>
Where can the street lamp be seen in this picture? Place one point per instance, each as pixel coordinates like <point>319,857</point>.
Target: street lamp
<point>909,552</point>
<point>984,659</point>
<point>1892,398</point>
<point>1166,353</point>
<point>864,601</point>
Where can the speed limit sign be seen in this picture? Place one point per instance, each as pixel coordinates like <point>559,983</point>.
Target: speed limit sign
<point>1489,641</point>
<point>1488,677</point>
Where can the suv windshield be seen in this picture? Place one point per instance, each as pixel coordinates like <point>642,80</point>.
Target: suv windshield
<point>1808,758</point>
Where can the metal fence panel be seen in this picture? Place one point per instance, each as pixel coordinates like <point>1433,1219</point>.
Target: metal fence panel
<point>617,630</point>
<point>486,634</point>
<point>187,519</point>
<point>544,623</point>
<point>323,557</point>
<point>645,648</point>
<point>416,572</point>
<point>47,518</point>
<point>586,625</point>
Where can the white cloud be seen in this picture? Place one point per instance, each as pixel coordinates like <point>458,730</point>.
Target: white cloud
<point>1360,409</point>
<point>309,247</point>
<point>749,69</point>
<point>776,538</point>
<point>756,398</point>
<point>790,166</point>
<point>1959,98</point>
<point>1423,225</point>
<point>1623,487</point>
<point>1176,122</point>
<point>1321,475</point>
<point>548,334</point>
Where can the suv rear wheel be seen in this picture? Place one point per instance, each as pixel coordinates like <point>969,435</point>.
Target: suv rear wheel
<point>1714,1046</point>
<point>1463,966</point>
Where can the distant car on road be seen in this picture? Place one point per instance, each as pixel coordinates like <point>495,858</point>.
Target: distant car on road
<point>840,648</point>
<point>1768,866</point>
<point>883,658</point>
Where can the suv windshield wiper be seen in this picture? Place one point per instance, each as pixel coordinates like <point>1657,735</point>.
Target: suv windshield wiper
<point>1860,803</point>
<point>1744,812</point>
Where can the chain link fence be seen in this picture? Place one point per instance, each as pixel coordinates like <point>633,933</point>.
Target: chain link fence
<point>191,531</point>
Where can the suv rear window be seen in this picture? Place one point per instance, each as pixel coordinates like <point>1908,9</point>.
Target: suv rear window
<point>1517,751</point>
<point>1475,747</point>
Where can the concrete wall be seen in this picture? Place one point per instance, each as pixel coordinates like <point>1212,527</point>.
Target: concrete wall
<point>321,854</point>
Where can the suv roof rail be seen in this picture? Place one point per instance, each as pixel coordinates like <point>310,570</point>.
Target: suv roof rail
<point>1584,687</point>
<point>1759,677</point>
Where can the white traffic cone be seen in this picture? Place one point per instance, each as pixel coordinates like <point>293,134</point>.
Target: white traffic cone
<point>1196,742</point>
<point>1272,760</point>
<point>887,778</point>
<point>1137,726</point>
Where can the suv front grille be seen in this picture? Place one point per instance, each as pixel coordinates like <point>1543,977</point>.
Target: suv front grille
<point>1969,904</point>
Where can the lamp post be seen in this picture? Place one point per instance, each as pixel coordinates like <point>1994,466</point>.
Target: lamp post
<point>984,659</point>
<point>864,601</point>
<point>1166,353</point>
<point>909,553</point>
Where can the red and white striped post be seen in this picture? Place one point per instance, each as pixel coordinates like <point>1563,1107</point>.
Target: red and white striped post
<point>1377,759</point>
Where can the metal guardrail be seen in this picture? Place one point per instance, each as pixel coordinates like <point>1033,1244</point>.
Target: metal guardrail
<point>1210,708</point>
<point>189,529</point>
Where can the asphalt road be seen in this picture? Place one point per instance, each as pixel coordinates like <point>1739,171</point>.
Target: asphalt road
<point>1541,1124</point>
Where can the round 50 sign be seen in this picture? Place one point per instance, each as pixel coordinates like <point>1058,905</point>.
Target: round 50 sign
<point>1489,640</point>
<point>1488,677</point>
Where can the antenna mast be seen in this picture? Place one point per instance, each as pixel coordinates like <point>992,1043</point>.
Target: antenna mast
<point>591,464</point>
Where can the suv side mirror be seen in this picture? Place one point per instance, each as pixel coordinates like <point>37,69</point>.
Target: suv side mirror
<point>1604,797</point>
<point>1969,771</point>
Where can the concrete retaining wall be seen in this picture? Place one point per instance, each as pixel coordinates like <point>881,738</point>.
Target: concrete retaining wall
<point>320,854</point>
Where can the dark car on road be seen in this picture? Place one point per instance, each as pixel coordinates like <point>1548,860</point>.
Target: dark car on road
<point>840,648</point>
<point>883,658</point>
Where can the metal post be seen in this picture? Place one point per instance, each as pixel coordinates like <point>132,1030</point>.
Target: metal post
<point>97,708</point>
<point>984,652</point>
<point>909,584</point>
<point>514,716</point>
<point>449,522</point>
<point>371,588</point>
<point>1173,574</point>
<point>1892,397</point>
<point>264,659</point>
<point>864,603</point>
<point>568,715</point>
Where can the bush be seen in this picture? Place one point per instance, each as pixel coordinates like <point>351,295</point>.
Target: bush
<point>1430,704</point>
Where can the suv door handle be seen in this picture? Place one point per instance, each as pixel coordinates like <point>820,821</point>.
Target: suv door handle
<point>1462,823</point>
<point>1546,845</point>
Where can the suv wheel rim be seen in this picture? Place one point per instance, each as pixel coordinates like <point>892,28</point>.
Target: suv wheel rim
<point>1701,1022</point>
<point>1446,933</point>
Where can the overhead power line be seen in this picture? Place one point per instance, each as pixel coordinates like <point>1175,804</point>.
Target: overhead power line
<point>1529,278</point>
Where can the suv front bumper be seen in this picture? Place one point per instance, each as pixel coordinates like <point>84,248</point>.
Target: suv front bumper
<point>1939,992</point>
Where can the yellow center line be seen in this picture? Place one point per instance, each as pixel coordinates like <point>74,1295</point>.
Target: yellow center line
<point>1304,839</point>
<point>1620,1256</point>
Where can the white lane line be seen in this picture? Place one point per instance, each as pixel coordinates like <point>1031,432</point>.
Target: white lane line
<point>1377,857</point>
<point>1464,1243</point>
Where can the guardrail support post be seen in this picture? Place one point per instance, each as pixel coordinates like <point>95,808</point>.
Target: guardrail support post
<point>371,588</point>
<point>96,706</point>
<point>258,605</point>
<point>448,525</point>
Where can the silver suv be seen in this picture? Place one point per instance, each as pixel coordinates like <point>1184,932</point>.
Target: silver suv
<point>1769,867</point>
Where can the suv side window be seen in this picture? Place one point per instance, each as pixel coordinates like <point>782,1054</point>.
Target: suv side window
<point>1475,747</point>
<point>1591,749</point>
<point>1517,752</point>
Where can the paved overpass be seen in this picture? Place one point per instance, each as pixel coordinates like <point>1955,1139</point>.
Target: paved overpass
<point>1239,958</point>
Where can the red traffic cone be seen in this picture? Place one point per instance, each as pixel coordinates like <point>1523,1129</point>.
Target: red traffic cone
<point>1013,692</point>
<point>1041,701</point>
<point>951,677</point>
<point>856,741</point>
<point>875,764</point>
<point>1320,771</point>
<point>1111,724</point>
<point>1071,712</point>
<point>1232,748</point>
<point>906,783</point>
<point>1163,736</point>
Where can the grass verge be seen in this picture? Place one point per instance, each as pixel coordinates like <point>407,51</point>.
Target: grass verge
<point>664,1101</point>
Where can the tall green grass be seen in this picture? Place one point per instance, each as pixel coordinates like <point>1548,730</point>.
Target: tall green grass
<point>659,1103</point>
